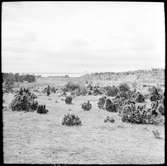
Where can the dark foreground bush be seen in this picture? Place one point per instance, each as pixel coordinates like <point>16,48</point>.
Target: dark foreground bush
<point>42,109</point>
<point>86,106</point>
<point>111,91</point>
<point>24,101</point>
<point>71,120</point>
<point>139,114</point>
<point>101,102</point>
<point>123,87</point>
<point>68,100</point>
<point>110,106</point>
<point>140,98</point>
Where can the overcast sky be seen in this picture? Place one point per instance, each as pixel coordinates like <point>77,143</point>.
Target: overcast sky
<point>78,37</point>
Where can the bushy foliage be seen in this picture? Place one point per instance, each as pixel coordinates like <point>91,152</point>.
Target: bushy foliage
<point>18,78</point>
<point>110,106</point>
<point>48,91</point>
<point>24,101</point>
<point>154,94</point>
<point>109,119</point>
<point>101,102</point>
<point>140,98</point>
<point>111,91</point>
<point>124,87</point>
<point>68,100</point>
<point>71,120</point>
<point>97,90</point>
<point>70,86</point>
<point>42,109</point>
<point>138,114</point>
<point>86,106</point>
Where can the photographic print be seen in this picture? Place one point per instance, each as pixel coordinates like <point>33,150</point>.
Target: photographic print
<point>83,82</point>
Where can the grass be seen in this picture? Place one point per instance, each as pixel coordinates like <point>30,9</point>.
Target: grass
<point>31,138</point>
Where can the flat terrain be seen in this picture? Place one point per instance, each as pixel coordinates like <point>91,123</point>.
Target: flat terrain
<point>41,139</point>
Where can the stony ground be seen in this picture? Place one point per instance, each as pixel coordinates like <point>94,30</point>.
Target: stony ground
<point>41,139</point>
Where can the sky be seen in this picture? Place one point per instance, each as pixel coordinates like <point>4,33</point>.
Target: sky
<point>82,37</point>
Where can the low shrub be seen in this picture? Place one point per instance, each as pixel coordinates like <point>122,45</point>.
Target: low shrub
<point>68,100</point>
<point>70,86</point>
<point>24,101</point>
<point>71,120</point>
<point>111,91</point>
<point>139,114</point>
<point>42,109</point>
<point>86,106</point>
<point>140,98</point>
<point>123,87</point>
<point>101,102</point>
<point>110,106</point>
<point>109,119</point>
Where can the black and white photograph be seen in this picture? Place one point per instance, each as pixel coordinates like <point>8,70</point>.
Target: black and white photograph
<point>83,82</point>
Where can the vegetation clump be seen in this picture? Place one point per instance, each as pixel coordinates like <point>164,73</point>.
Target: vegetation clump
<point>109,119</point>
<point>139,114</point>
<point>110,106</point>
<point>140,98</point>
<point>124,87</point>
<point>24,101</point>
<point>71,120</point>
<point>111,91</point>
<point>101,102</point>
<point>68,100</point>
<point>86,106</point>
<point>42,109</point>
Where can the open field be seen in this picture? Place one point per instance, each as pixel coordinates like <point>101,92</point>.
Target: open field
<point>34,138</point>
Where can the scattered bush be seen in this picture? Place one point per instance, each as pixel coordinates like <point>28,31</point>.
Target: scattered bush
<point>42,109</point>
<point>154,94</point>
<point>86,106</point>
<point>71,120</point>
<point>109,119</point>
<point>139,114</point>
<point>110,106</point>
<point>48,90</point>
<point>68,100</point>
<point>111,91</point>
<point>140,98</point>
<point>24,101</point>
<point>70,86</point>
<point>124,87</point>
<point>101,102</point>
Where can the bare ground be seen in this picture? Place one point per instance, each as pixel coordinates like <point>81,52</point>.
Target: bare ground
<point>35,138</point>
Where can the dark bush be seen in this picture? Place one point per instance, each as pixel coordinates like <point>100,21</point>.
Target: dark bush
<point>68,100</point>
<point>139,114</point>
<point>140,98</point>
<point>154,94</point>
<point>24,101</point>
<point>101,102</point>
<point>124,87</point>
<point>109,119</point>
<point>71,120</point>
<point>111,91</point>
<point>110,106</point>
<point>86,106</point>
<point>42,109</point>
<point>70,86</point>
<point>48,90</point>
